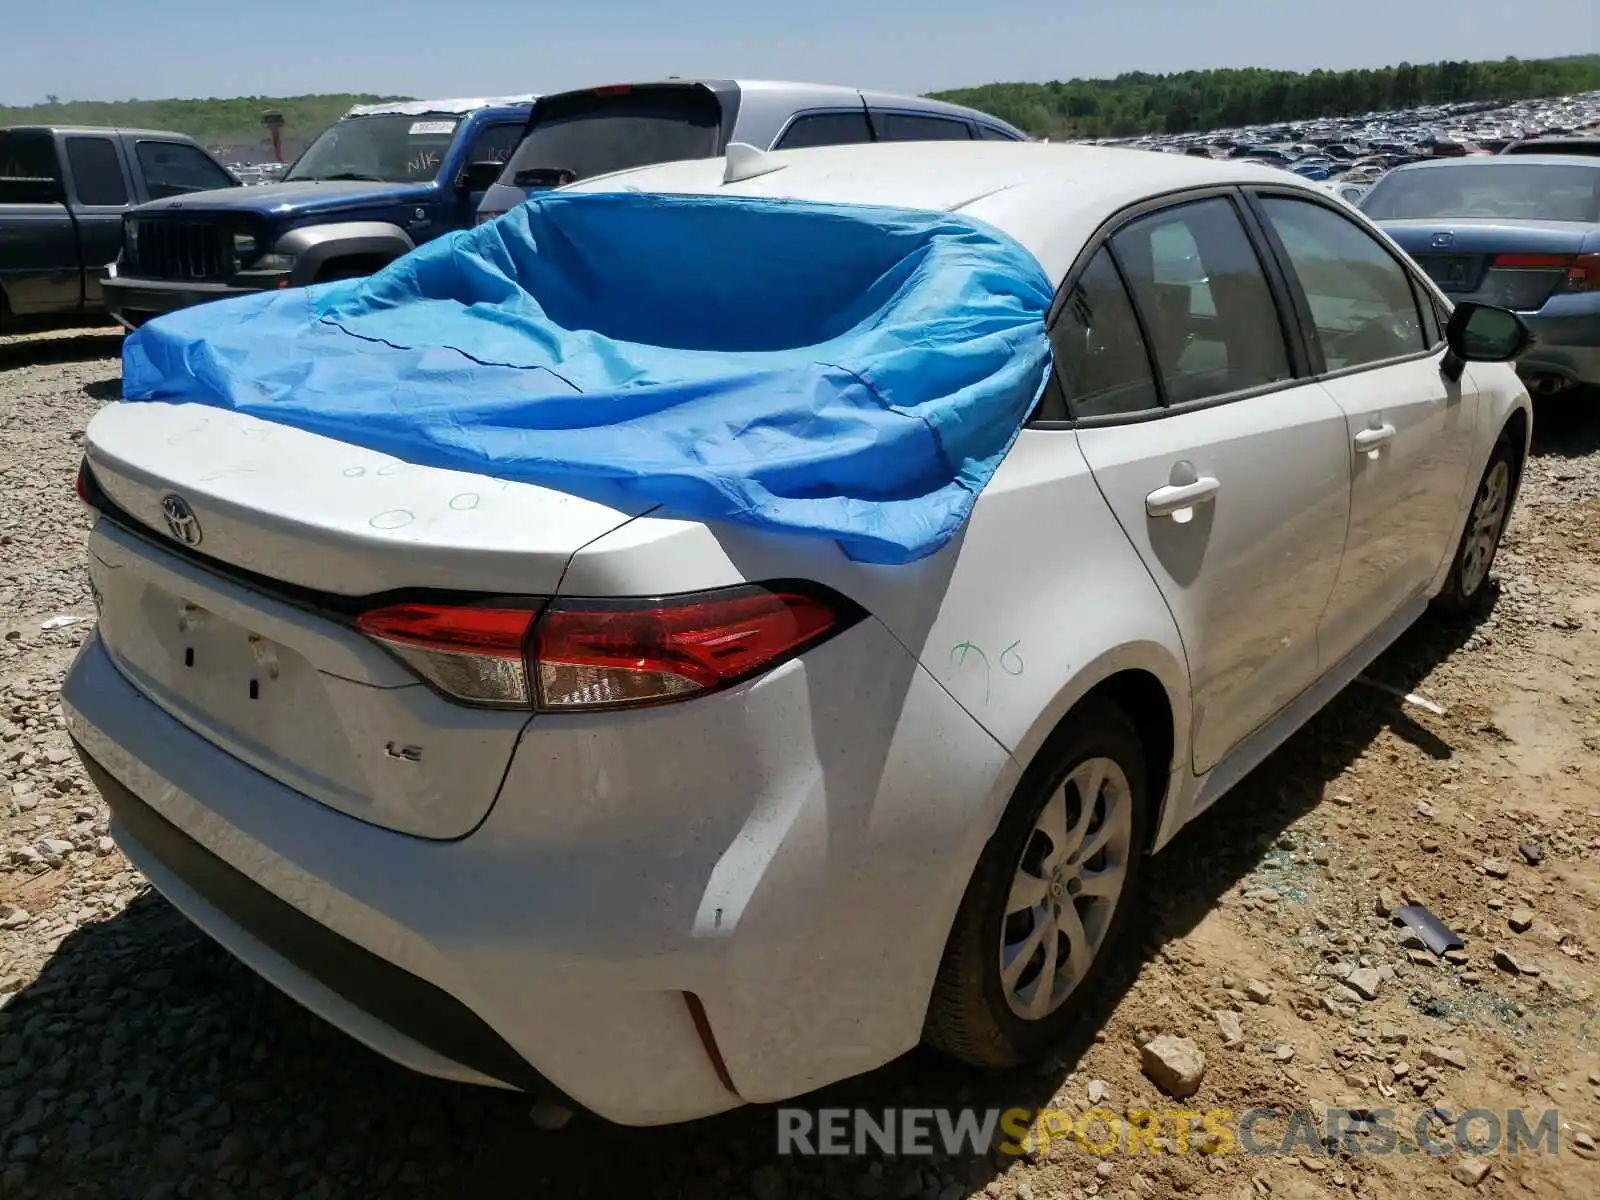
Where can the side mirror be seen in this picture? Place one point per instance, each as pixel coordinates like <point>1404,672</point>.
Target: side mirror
<point>1483,333</point>
<point>479,176</point>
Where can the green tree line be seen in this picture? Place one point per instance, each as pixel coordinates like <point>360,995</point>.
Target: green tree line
<point>1129,104</point>
<point>232,125</point>
<point>1199,100</point>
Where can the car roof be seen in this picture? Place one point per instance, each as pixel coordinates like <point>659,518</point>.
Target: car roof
<point>422,108</point>
<point>1503,161</point>
<point>1048,196</point>
<point>1561,139</point>
<point>96,131</point>
<point>809,94</point>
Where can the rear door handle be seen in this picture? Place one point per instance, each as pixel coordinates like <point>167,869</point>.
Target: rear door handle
<point>1374,436</point>
<point>1176,497</point>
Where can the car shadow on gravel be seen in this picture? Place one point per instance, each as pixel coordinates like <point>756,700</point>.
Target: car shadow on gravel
<point>104,390</point>
<point>21,353</point>
<point>1567,425</point>
<point>147,1063</point>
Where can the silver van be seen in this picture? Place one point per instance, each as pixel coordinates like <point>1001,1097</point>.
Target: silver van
<point>592,131</point>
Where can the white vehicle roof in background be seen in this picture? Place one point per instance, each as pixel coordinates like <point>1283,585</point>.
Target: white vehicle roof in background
<point>422,108</point>
<point>1050,198</point>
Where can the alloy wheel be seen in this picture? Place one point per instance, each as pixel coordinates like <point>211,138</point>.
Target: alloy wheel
<point>1488,522</point>
<point>1068,881</point>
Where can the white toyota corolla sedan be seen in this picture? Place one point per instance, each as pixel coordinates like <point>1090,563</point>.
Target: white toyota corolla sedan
<point>660,816</point>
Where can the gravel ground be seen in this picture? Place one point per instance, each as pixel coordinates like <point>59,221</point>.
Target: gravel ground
<point>138,1060</point>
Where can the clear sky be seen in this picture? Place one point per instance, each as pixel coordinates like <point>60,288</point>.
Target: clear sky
<point>121,49</point>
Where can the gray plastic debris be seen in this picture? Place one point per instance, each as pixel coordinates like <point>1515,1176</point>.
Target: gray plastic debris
<point>1435,933</point>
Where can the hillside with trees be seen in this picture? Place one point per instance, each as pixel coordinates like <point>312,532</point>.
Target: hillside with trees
<point>230,127</point>
<point>1129,104</point>
<point>1199,100</point>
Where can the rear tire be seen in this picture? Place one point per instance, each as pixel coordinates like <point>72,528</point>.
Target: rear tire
<point>1040,918</point>
<point>1468,582</point>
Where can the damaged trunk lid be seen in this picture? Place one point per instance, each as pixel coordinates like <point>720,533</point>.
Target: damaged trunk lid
<point>230,563</point>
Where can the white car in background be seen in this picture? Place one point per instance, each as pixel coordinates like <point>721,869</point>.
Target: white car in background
<point>919,806</point>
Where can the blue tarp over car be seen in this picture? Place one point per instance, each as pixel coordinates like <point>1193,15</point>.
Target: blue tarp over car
<point>840,371</point>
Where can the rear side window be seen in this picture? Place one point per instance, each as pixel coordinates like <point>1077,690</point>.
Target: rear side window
<point>27,155</point>
<point>826,129</point>
<point>1361,299</point>
<point>591,133</point>
<point>990,134</point>
<point>28,171</point>
<point>1099,352</point>
<point>96,171</point>
<point>918,127</point>
<point>174,168</point>
<point>1204,300</point>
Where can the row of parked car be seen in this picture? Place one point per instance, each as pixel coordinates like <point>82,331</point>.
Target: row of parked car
<point>138,222</point>
<point>1499,205</point>
<point>1351,154</point>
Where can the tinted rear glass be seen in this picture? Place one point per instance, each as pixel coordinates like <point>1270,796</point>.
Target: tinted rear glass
<point>27,155</point>
<point>97,171</point>
<point>914,127</point>
<point>1586,146</point>
<point>1533,192</point>
<point>827,129</point>
<point>576,137</point>
<point>27,168</point>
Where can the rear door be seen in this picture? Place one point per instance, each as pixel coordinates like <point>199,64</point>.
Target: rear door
<point>39,267</point>
<point>97,179</point>
<point>1410,429</point>
<point>1229,470</point>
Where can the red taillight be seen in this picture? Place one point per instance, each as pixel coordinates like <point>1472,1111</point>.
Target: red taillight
<point>613,89</point>
<point>590,655</point>
<point>81,484</point>
<point>597,654</point>
<point>1583,270</point>
<point>1584,274</point>
<point>473,654</point>
<point>1531,262</point>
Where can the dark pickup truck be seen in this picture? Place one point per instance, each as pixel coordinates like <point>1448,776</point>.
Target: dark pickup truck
<point>63,193</point>
<point>371,187</point>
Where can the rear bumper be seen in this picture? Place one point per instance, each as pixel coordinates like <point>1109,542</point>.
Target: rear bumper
<point>406,1016</point>
<point>800,890</point>
<point>132,301</point>
<point>1567,333</point>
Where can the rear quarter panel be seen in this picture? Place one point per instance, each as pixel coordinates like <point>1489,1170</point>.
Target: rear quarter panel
<point>907,740</point>
<point>1038,598</point>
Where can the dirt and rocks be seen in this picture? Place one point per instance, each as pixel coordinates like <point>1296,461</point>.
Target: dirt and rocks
<point>1269,973</point>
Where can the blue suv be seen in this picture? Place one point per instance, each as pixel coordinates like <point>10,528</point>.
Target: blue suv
<point>372,186</point>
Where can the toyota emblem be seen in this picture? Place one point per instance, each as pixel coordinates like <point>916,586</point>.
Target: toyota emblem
<point>1441,240</point>
<point>182,524</point>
